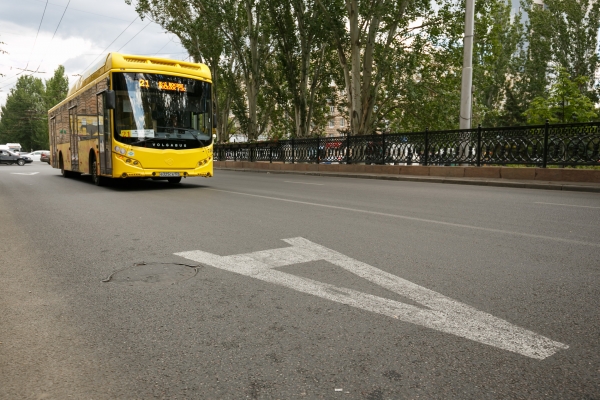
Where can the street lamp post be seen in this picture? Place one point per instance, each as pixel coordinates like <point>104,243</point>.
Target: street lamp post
<point>467,72</point>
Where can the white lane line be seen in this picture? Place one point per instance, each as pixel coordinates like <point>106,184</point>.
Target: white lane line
<point>438,312</point>
<point>564,205</point>
<point>24,173</point>
<point>430,221</point>
<point>306,183</point>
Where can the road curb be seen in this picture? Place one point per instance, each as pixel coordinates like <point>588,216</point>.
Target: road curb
<point>455,181</point>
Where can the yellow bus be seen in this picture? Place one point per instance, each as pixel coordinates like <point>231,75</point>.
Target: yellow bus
<point>132,117</point>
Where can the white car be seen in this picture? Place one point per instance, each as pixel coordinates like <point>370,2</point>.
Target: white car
<point>35,155</point>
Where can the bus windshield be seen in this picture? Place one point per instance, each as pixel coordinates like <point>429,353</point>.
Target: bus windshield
<point>162,111</point>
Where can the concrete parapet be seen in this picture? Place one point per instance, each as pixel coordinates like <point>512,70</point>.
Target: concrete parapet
<point>517,173</point>
<point>454,172</point>
<point>414,170</point>
<point>482,172</point>
<point>567,175</point>
<point>501,173</point>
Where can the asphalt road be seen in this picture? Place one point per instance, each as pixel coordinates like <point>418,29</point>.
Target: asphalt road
<point>389,290</point>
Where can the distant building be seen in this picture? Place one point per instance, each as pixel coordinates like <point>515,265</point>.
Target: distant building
<point>336,123</point>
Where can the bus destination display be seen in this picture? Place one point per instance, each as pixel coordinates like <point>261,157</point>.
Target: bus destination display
<point>144,83</point>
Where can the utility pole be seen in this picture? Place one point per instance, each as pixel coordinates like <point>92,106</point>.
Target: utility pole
<point>467,72</point>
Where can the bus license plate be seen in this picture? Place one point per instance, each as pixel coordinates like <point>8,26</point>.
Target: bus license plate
<point>165,174</point>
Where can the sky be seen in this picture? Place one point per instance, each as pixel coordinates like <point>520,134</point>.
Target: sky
<point>82,37</point>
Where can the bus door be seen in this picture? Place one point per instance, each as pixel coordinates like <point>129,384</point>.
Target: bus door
<point>53,142</point>
<point>105,144</point>
<point>74,133</point>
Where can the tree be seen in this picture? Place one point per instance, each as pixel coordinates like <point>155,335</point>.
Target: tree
<point>375,42</point>
<point>303,62</point>
<point>57,88</point>
<point>558,34</point>
<point>574,40</point>
<point>563,103</point>
<point>228,35</point>
<point>430,97</point>
<point>24,116</point>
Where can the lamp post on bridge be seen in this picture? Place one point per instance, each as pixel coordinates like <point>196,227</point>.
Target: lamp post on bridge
<point>467,72</point>
<point>467,76</point>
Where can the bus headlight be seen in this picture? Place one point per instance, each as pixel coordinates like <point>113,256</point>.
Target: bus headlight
<point>204,162</point>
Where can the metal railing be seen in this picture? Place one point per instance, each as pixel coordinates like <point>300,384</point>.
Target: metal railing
<point>540,145</point>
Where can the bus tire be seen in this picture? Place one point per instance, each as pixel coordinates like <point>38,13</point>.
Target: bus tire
<point>96,178</point>
<point>63,171</point>
<point>174,180</point>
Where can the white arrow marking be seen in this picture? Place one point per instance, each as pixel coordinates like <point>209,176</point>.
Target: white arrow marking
<point>24,173</point>
<point>441,312</point>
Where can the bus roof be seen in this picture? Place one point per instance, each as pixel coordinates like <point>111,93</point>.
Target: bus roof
<point>125,62</point>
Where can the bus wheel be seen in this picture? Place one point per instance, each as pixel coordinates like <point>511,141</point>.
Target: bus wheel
<point>97,179</point>
<point>63,171</point>
<point>174,180</point>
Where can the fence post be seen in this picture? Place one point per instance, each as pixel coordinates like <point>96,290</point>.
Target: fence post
<point>235,155</point>
<point>250,158</point>
<point>373,149</point>
<point>348,148</point>
<point>293,155</point>
<point>479,145</point>
<point>318,149</point>
<point>545,157</point>
<point>426,156</point>
<point>270,152</point>
<point>383,155</point>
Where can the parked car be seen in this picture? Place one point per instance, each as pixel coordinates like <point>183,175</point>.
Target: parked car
<point>8,157</point>
<point>36,155</point>
<point>45,157</point>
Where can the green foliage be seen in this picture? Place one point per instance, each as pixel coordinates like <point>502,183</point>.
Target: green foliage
<point>562,33</point>
<point>431,96</point>
<point>563,103</point>
<point>397,65</point>
<point>24,117</point>
<point>57,88</point>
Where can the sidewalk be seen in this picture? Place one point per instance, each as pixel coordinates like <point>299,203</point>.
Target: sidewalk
<point>498,182</point>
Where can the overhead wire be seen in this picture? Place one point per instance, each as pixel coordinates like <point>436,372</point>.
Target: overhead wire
<point>134,36</point>
<point>34,43</point>
<point>37,34</point>
<point>54,34</point>
<point>99,54</point>
<point>158,52</point>
<point>83,11</point>
<point>103,51</point>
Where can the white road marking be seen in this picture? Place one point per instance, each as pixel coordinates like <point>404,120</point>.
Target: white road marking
<point>431,221</point>
<point>565,205</point>
<point>438,312</point>
<point>24,173</point>
<point>306,183</point>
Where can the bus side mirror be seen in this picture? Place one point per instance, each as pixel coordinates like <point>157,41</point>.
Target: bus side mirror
<point>111,100</point>
<point>215,121</point>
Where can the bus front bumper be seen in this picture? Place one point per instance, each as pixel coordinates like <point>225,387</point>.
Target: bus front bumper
<point>129,168</point>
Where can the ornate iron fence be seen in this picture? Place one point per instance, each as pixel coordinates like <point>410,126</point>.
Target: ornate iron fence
<point>539,145</point>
